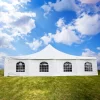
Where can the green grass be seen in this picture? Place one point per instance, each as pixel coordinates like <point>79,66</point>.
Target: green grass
<point>50,88</point>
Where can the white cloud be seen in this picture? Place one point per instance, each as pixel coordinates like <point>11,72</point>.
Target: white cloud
<point>71,5</point>
<point>98,48</point>
<point>64,34</point>
<point>15,21</point>
<point>90,53</point>
<point>60,5</point>
<point>47,38</point>
<point>19,1</point>
<point>88,25</point>
<point>89,6</point>
<point>14,2</point>
<point>90,1</point>
<point>2,56</point>
<point>35,44</point>
<point>23,26</point>
<point>47,8</point>
<point>6,40</point>
<point>60,22</point>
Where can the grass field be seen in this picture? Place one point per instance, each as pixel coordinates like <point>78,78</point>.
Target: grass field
<point>50,88</point>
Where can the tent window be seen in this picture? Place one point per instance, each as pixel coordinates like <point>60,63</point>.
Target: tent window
<point>44,67</point>
<point>20,67</point>
<point>88,66</point>
<point>67,67</point>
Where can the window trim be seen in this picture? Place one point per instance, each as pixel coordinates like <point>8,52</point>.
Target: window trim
<point>88,68</point>
<point>68,67</point>
<point>44,68</point>
<point>20,68</point>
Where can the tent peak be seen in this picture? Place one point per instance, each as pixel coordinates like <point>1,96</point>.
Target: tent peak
<point>49,45</point>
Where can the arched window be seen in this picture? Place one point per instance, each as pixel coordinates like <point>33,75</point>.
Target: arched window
<point>67,67</point>
<point>44,67</point>
<point>20,67</point>
<point>88,66</point>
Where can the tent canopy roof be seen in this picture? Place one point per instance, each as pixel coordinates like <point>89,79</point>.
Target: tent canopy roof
<point>50,52</point>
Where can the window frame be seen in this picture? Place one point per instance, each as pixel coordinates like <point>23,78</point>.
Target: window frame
<point>67,67</point>
<point>20,68</point>
<point>88,67</point>
<point>44,67</point>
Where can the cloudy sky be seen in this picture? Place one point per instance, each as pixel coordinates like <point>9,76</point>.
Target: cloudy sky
<point>71,26</point>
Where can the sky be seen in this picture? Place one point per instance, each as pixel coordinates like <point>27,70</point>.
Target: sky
<point>28,26</point>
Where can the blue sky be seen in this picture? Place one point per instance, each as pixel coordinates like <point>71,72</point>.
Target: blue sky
<point>71,26</point>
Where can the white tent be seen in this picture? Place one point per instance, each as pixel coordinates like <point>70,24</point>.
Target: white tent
<point>50,62</point>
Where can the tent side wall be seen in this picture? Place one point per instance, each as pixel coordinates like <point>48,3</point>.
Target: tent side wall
<point>81,67</point>
<point>55,68</point>
<point>10,67</point>
<point>32,67</point>
<point>5,67</point>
